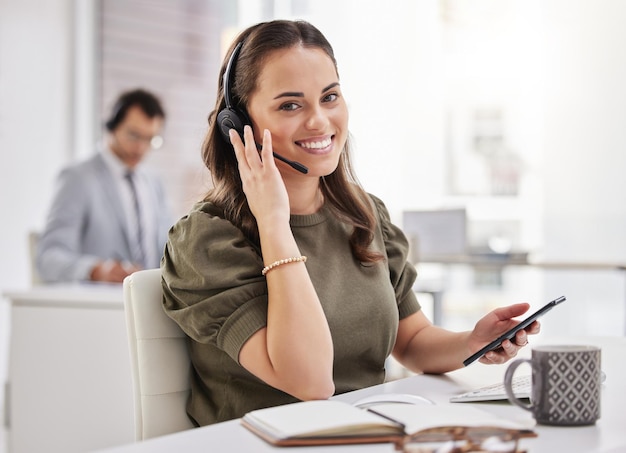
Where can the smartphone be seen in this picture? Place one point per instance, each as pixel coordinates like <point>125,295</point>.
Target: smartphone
<point>495,344</point>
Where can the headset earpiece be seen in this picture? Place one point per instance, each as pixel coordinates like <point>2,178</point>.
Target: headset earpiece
<point>230,117</point>
<point>115,117</point>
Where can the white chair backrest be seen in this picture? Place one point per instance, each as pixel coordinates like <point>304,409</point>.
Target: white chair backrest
<point>159,358</point>
<point>33,240</point>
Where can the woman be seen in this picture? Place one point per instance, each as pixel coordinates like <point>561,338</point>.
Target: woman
<point>290,285</point>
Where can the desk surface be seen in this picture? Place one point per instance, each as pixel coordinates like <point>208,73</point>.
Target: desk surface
<point>99,295</point>
<point>606,436</point>
<point>522,259</point>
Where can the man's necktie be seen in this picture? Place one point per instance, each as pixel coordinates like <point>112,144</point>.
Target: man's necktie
<point>137,247</point>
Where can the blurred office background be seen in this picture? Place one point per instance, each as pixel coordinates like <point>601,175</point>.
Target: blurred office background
<point>511,110</point>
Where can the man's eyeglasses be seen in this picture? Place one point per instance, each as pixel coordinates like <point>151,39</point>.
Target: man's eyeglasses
<point>155,141</point>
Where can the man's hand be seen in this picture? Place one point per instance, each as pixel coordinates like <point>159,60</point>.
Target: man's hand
<point>112,271</point>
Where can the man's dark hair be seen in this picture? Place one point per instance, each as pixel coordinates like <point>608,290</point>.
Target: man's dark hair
<point>146,101</point>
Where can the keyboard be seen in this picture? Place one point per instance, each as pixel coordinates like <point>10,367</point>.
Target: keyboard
<point>495,392</point>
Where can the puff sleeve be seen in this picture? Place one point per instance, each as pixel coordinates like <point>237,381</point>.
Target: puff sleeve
<point>212,283</point>
<point>401,272</point>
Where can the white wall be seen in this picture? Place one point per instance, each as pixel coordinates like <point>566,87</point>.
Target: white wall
<point>585,133</point>
<point>390,63</point>
<point>585,155</point>
<point>35,129</point>
<point>35,110</point>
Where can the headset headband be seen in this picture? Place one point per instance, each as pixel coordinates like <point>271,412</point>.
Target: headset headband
<point>230,67</point>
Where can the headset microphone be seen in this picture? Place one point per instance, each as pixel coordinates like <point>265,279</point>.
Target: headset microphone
<point>232,118</point>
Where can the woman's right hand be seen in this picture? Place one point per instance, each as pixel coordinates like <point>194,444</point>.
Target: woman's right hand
<point>262,182</point>
<point>294,352</point>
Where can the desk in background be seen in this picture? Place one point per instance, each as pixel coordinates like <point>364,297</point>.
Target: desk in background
<point>606,436</point>
<point>519,259</point>
<point>495,260</point>
<point>69,387</point>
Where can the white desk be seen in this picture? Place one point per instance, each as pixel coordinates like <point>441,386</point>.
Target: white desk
<point>70,386</point>
<point>495,260</point>
<point>606,436</point>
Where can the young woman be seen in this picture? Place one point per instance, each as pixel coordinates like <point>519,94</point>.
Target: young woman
<point>291,285</point>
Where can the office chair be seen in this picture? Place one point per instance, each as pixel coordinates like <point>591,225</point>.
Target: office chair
<point>33,240</point>
<point>160,360</point>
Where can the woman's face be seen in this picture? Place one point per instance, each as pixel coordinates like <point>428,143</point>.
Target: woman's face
<point>298,98</point>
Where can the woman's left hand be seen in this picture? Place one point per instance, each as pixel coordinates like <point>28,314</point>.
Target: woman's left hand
<point>495,324</point>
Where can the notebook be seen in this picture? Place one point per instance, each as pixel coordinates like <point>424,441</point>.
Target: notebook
<point>329,422</point>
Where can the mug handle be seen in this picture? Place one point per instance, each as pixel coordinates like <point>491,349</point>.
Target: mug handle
<point>508,378</point>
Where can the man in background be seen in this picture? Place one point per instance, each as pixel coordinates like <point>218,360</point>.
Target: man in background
<point>108,216</point>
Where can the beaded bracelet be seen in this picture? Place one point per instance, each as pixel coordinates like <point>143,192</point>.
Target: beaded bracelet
<point>275,264</point>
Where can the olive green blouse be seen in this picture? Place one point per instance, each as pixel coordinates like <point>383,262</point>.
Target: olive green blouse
<point>213,288</point>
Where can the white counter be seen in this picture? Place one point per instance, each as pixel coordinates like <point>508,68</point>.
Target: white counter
<point>69,386</point>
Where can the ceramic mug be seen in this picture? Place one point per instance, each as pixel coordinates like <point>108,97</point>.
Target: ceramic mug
<point>566,383</point>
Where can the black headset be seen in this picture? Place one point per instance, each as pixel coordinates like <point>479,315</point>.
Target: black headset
<point>117,115</point>
<point>231,117</point>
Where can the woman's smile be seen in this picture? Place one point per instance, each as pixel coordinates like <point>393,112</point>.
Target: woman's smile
<point>317,146</point>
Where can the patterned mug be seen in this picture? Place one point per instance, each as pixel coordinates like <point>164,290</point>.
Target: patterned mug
<point>566,384</point>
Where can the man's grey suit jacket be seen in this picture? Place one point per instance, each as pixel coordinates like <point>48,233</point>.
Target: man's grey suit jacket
<point>87,223</point>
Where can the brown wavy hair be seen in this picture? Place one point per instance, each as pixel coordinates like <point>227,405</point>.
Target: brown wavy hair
<point>341,189</point>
